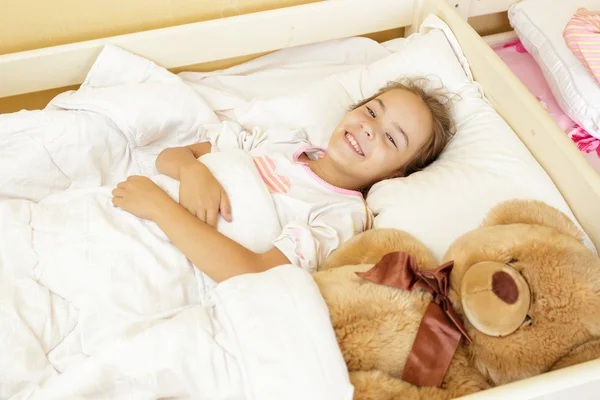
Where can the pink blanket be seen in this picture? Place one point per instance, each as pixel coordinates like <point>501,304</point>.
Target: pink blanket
<point>526,69</point>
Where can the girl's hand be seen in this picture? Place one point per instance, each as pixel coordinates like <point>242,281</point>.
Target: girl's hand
<point>141,197</point>
<point>202,195</point>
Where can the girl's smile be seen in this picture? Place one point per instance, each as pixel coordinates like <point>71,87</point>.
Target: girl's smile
<point>374,141</point>
<point>353,143</point>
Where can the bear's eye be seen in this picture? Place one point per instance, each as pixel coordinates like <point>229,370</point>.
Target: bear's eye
<point>513,260</point>
<point>528,321</point>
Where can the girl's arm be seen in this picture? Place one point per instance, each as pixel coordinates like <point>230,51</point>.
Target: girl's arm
<point>199,192</point>
<point>213,253</point>
<point>174,160</point>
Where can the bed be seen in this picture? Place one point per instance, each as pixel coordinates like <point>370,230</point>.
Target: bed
<point>174,47</point>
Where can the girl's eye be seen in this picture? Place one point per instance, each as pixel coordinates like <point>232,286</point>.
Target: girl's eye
<point>391,139</point>
<point>371,112</point>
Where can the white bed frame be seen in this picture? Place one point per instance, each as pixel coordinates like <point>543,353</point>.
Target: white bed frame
<point>190,44</point>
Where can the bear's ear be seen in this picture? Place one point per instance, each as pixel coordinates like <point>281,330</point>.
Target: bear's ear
<point>532,212</point>
<point>369,248</point>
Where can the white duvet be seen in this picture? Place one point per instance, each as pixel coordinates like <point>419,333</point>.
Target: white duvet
<point>96,303</point>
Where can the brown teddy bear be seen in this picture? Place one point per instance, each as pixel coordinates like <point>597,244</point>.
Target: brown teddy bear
<point>523,285</point>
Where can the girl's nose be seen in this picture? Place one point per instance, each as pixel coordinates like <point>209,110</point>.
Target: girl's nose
<point>369,130</point>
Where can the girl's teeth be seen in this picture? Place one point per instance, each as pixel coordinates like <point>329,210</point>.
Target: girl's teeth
<point>354,144</point>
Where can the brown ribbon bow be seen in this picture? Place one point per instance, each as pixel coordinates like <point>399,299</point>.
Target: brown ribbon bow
<point>440,330</point>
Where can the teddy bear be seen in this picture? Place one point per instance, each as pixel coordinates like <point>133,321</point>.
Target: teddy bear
<point>524,290</point>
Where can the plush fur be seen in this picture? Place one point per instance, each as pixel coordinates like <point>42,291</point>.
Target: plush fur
<point>369,247</point>
<point>376,325</point>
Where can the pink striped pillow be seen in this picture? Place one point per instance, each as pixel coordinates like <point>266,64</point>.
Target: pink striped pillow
<point>582,35</point>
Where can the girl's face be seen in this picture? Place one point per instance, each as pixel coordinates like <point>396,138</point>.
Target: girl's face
<point>374,141</point>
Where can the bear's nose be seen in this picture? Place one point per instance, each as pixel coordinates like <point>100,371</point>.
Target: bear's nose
<point>505,287</point>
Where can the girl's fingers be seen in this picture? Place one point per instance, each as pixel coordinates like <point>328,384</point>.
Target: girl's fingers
<point>117,201</point>
<point>118,192</point>
<point>201,215</point>
<point>212,217</point>
<point>225,207</point>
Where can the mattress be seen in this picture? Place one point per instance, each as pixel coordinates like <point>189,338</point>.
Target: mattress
<point>524,66</point>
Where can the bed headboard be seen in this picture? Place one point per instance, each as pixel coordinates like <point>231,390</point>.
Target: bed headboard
<point>217,39</point>
<point>30,78</point>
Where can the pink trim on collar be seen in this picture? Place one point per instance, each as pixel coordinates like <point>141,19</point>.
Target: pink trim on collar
<point>317,177</point>
<point>305,149</point>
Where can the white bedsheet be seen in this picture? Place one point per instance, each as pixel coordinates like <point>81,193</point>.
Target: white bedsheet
<point>96,303</point>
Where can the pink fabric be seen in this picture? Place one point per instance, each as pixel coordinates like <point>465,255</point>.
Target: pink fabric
<point>266,169</point>
<point>523,65</point>
<point>582,36</point>
<point>315,176</point>
<point>587,144</point>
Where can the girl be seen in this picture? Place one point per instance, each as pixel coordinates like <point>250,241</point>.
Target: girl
<point>317,193</point>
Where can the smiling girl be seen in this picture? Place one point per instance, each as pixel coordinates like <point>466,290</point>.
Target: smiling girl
<point>317,193</point>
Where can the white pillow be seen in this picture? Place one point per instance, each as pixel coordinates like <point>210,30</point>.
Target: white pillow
<point>539,24</point>
<point>282,72</point>
<point>484,165</point>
